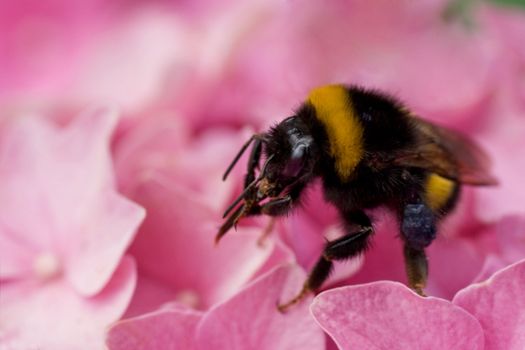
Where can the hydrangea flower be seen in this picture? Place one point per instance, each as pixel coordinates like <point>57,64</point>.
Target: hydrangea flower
<point>387,315</point>
<point>175,251</point>
<point>248,320</point>
<point>63,233</point>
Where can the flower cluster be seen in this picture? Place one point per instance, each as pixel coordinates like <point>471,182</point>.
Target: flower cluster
<point>118,119</point>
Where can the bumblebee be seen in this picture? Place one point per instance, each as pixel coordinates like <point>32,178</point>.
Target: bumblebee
<point>369,151</point>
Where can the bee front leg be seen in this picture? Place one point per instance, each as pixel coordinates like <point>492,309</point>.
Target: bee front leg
<point>277,206</point>
<point>253,160</point>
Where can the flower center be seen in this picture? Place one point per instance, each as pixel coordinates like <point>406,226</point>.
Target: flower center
<point>46,266</point>
<point>188,297</point>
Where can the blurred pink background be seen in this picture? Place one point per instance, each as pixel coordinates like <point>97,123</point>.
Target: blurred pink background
<point>118,118</point>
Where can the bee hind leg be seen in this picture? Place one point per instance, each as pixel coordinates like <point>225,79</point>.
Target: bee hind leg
<point>342,248</point>
<point>418,229</point>
<point>417,269</point>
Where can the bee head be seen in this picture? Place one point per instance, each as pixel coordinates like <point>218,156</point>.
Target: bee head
<point>290,146</point>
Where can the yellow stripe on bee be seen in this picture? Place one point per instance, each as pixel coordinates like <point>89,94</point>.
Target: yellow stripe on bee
<point>438,191</point>
<point>334,109</point>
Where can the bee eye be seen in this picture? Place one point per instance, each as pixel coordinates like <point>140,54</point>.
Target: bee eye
<point>296,161</point>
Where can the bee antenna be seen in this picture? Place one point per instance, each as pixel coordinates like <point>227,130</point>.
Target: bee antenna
<point>239,155</point>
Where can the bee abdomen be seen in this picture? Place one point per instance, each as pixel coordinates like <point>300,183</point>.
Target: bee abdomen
<point>440,193</point>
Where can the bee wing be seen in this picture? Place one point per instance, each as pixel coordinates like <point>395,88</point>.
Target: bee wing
<point>449,154</point>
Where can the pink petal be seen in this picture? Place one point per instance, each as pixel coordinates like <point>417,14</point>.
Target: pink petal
<point>309,227</point>
<point>62,179</point>
<point>250,320</point>
<point>491,265</point>
<point>105,239</point>
<point>501,139</point>
<point>503,243</point>
<point>48,169</point>
<point>454,262</point>
<point>306,237</point>
<point>387,315</point>
<point>16,255</point>
<point>107,221</point>
<point>158,149</point>
<point>499,305</point>
<point>54,316</point>
<point>136,43</point>
<point>150,294</point>
<point>304,231</point>
<point>384,259</point>
<point>147,145</point>
<point>179,184</point>
<point>508,27</point>
<point>175,246</point>
<point>400,48</point>
<point>42,45</point>
<point>510,235</point>
<point>163,329</point>
<point>281,255</point>
<point>24,152</point>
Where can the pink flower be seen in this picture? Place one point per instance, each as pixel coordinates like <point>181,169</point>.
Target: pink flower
<point>248,320</point>
<point>405,49</point>
<point>387,315</point>
<point>501,244</point>
<point>178,181</point>
<point>499,306</point>
<point>41,45</point>
<point>243,89</point>
<point>63,232</point>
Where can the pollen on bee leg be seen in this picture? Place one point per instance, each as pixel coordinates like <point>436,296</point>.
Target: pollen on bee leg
<point>265,187</point>
<point>188,297</point>
<point>46,266</point>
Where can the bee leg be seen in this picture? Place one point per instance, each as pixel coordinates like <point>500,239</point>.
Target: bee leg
<point>277,206</point>
<point>230,222</point>
<point>417,268</point>
<point>418,229</point>
<point>315,279</point>
<point>342,248</point>
<point>282,205</point>
<point>253,163</point>
<point>253,160</point>
<point>250,195</point>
